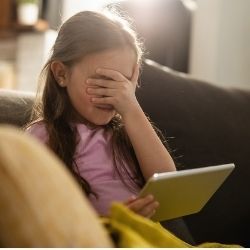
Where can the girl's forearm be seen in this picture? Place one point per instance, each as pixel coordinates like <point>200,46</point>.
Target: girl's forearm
<point>152,155</point>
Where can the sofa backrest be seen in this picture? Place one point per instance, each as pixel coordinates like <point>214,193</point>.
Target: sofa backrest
<point>205,125</point>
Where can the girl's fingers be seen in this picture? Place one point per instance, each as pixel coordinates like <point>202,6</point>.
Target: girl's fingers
<point>151,213</point>
<point>149,209</point>
<point>113,78</point>
<point>101,91</point>
<point>102,100</point>
<point>101,83</point>
<point>111,74</point>
<point>140,203</point>
<point>130,199</point>
<point>145,206</point>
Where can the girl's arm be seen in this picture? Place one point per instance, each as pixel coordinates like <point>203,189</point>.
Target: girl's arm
<point>152,155</point>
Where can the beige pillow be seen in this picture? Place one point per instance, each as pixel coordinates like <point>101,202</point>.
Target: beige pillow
<point>40,203</point>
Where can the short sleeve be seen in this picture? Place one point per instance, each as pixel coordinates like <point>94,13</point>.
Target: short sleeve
<point>39,131</point>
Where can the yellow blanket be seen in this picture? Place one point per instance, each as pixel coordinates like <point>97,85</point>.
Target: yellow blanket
<point>131,230</point>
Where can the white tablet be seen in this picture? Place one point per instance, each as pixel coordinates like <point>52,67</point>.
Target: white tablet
<point>185,192</point>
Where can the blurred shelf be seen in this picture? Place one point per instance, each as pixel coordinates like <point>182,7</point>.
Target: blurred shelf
<point>16,29</point>
<point>40,26</point>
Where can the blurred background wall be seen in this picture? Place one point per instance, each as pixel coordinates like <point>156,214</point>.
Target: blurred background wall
<point>208,39</point>
<point>220,46</point>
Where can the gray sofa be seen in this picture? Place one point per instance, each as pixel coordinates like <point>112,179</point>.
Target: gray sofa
<point>205,125</point>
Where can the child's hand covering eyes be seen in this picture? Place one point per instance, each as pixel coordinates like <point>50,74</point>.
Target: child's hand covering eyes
<point>115,90</point>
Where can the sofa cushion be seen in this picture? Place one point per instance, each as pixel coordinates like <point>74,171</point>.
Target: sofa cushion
<point>205,125</point>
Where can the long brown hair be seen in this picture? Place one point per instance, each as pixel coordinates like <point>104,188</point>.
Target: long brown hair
<point>82,34</point>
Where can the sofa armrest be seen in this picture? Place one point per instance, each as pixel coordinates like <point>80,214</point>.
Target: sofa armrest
<point>15,106</point>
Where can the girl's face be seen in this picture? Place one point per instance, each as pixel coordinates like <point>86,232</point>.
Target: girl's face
<point>122,60</point>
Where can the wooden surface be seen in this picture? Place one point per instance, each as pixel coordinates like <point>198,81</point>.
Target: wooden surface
<point>6,14</point>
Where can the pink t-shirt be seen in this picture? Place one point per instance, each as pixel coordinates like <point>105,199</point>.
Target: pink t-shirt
<point>94,159</point>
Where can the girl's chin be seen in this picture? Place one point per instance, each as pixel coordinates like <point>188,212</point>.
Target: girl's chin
<point>101,123</point>
<point>103,120</point>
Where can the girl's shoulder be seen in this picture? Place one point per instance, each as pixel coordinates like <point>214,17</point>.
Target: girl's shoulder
<point>38,130</point>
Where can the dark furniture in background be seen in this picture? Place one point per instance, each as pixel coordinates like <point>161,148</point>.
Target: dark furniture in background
<point>205,125</point>
<point>164,26</point>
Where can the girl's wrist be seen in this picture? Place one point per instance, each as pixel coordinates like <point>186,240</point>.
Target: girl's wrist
<point>132,114</point>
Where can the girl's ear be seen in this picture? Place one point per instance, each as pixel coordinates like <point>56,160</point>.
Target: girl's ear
<point>59,71</point>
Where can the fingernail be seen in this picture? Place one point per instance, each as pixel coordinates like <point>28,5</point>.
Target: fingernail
<point>133,197</point>
<point>150,197</point>
<point>157,204</point>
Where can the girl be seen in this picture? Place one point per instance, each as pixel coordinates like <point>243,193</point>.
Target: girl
<point>89,116</point>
